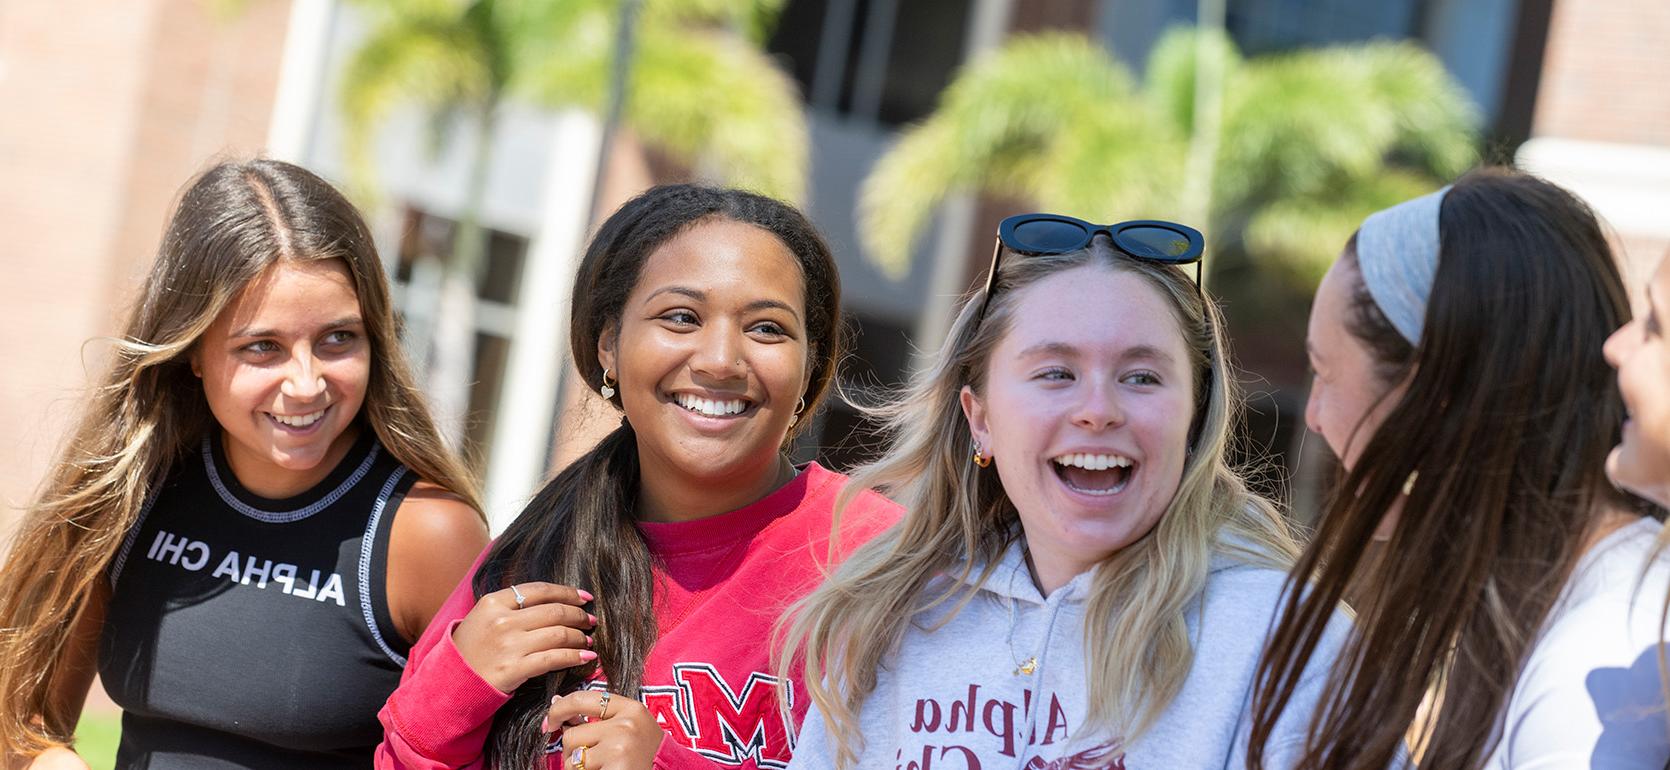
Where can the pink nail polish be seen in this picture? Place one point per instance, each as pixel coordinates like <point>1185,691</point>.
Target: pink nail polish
<point>584,594</point>
<point>588,643</point>
<point>592,618</point>
<point>588,656</point>
<point>545,725</point>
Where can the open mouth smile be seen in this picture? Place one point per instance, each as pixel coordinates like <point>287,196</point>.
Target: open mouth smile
<point>1101,475</point>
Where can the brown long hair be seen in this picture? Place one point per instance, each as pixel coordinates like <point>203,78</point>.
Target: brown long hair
<point>1508,418</point>
<point>580,528</point>
<point>231,224</point>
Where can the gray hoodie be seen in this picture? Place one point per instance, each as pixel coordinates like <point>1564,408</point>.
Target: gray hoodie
<point>956,697</point>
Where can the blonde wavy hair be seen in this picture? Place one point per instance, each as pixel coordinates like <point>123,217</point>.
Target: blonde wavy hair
<point>232,223</point>
<point>958,516</point>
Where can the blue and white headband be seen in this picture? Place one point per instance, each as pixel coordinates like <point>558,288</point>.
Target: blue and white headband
<point>1397,252</point>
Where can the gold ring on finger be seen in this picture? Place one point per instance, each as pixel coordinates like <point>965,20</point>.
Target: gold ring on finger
<point>603,712</point>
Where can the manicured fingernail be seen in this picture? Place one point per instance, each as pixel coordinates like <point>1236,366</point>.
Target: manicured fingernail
<point>584,594</point>
<point>588,656</point>
<point>545,725</point>
<point>554,700</point>
<point>592,618</point>
<point>588,642</point>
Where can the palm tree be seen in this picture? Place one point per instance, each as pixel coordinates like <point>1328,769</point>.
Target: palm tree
<point>1310,143</point>
<point>700,89</point>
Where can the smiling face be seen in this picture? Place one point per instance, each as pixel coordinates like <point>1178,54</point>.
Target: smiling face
<point>1086,409</point>
<point>285,369</point>
<point>1641,461</point>
<point>711,356</point>
<point>1348,397</point>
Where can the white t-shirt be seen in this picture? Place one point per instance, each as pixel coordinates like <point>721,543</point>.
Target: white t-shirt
<point>1590,695</point>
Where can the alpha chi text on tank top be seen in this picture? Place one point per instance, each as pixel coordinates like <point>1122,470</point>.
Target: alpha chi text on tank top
<point>252,633</point>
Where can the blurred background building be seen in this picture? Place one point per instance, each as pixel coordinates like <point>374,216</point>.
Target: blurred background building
<point>110,106</point>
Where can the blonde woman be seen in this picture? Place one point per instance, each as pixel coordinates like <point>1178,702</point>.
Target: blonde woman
<point>1081,581</point>
<point>255,517</point>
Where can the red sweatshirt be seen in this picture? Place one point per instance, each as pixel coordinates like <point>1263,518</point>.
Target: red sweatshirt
<point>723,581</point>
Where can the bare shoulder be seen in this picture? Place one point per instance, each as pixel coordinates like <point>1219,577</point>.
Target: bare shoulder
<point>433,517</point>
<point>434,539</point>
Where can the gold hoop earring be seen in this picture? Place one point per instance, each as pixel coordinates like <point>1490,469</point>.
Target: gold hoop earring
<point>608,389</point>
<point>799,407</point>
<point>980,458</point>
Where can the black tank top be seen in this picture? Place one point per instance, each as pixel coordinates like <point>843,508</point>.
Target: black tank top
<point>244,632</point>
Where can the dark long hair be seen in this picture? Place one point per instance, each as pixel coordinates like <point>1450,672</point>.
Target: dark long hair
<point>580,529</point>
<point>1508,418</point>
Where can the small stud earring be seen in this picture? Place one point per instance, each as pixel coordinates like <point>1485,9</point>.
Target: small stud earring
<point>608,389</point>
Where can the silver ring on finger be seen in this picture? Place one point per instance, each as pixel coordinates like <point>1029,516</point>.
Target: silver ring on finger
<point>520,599</point>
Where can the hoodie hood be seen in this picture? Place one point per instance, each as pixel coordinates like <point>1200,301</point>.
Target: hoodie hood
<point>1011,578</point>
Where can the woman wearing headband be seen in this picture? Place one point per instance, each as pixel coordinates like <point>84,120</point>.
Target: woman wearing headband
<point>1457,345</point>
<point>1081,580</point>
<point>622,621</point>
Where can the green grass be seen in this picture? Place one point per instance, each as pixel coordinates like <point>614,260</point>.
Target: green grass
<point>96,737</point>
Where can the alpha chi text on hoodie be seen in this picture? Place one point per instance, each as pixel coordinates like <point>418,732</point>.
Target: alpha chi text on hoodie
<point>722,582</point>
<point>960,697</point>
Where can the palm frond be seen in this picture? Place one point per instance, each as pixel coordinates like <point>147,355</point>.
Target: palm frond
<point>996,130</point>
<point>1312,142</point>
<point>1120,164</point>
<point>432,62</point>
<point>753,19</point>
<point>902,191</point>
<point>711,98</point>
<point>414,9</point>
<point>1436,121</point>
<point>1169,79</point>
<point>705,95</point>
<point>1292,123</point>
<point>1302,235</point>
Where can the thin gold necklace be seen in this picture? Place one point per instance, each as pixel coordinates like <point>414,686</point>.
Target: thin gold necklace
<point>1022,667</point>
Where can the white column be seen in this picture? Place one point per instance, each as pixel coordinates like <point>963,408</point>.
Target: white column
<point>1628,185</point>
<point>987,27</point>
<point>301,78</point>
<point>538,349</point>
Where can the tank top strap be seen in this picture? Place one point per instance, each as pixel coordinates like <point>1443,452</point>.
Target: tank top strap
<point>373,563</point>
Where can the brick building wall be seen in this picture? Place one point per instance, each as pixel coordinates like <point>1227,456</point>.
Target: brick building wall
<point>106,108</point>
<point>1606,72</point>
<point>1602,119</point>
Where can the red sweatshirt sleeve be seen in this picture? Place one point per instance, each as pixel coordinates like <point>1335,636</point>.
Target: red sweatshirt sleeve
<point>440,714</point>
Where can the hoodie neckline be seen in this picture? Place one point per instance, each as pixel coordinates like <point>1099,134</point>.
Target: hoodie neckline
<point>1012,579</point>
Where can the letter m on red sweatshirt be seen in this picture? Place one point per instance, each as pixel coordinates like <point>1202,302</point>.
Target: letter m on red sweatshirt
<point>722,722</point>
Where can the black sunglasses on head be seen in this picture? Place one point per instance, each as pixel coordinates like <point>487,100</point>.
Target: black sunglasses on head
<point>1147,239</point>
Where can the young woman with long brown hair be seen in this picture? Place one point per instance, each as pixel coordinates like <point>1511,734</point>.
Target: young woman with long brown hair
<point>255,517</point>
<point>1081,579</point>
<point>622,621</point>
<point>1457,345</point>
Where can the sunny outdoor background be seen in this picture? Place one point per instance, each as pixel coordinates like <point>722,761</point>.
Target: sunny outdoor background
<point>484,139</point>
